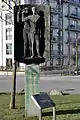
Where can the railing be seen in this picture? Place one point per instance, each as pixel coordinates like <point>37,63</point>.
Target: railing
<point>55,39</point>
<point>73,27</point>
<point>73,15</point>
<point>73,41</point>
<point>54,10</point>
<point>74,1</point>
<point>54,24</point>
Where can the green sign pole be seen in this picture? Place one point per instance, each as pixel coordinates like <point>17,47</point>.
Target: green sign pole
<point>32,77</point>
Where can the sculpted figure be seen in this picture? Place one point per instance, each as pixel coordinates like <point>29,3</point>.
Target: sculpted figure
<point>26,32</point>
<point>33,19</point>
<point>40,31</point>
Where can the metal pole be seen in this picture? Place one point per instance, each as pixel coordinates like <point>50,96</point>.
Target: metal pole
<point>76,53</point>
<point>59,36</point>
<point>73,49</point>
<point>62,59</point>
<point>69,50</point>
<point>77,41</point>
<point>40,114</point>
<point>54,113</point>
<point>13,91</point>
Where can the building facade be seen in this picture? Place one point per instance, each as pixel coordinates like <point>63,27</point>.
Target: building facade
<point>7,35</point>
<point>65,32</point>
<point>65,40</point>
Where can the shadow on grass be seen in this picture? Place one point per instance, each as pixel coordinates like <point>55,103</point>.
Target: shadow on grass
<point>68,111</point>
<point>62,112</point>
<point>22,107</point>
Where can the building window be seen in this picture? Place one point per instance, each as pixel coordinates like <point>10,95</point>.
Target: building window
<point>73,24</point>
<point>8,49</point>
<point>9,63</point>
<point>8,18</point>
<point>9,34</point>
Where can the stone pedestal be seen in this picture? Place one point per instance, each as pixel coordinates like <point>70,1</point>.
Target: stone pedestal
<point>32,81</point>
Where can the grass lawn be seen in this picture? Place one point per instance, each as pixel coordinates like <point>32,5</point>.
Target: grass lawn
<point>67,108</point>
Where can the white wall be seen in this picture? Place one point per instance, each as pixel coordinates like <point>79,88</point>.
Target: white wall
<point>7,41</point>
<point>4,38</point>
<point>0,40</point>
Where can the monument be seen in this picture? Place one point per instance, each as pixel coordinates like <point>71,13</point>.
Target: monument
<point>31,44</point>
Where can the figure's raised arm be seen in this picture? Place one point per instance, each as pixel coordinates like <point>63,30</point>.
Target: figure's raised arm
<point>25,14</point>
<point>27,18</point>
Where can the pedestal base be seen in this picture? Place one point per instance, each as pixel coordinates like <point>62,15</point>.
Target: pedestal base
<point>32,77</point>
<point>30,60</point>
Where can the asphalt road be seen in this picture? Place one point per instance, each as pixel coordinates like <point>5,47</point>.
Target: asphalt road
<point>69,84</point>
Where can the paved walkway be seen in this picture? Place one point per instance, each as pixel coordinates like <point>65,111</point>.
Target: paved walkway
<point>67,84</point>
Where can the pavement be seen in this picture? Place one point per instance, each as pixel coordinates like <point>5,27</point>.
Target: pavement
<point>66,84</point>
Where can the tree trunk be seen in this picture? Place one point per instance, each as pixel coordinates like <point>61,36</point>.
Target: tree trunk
<point>13,91</point>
